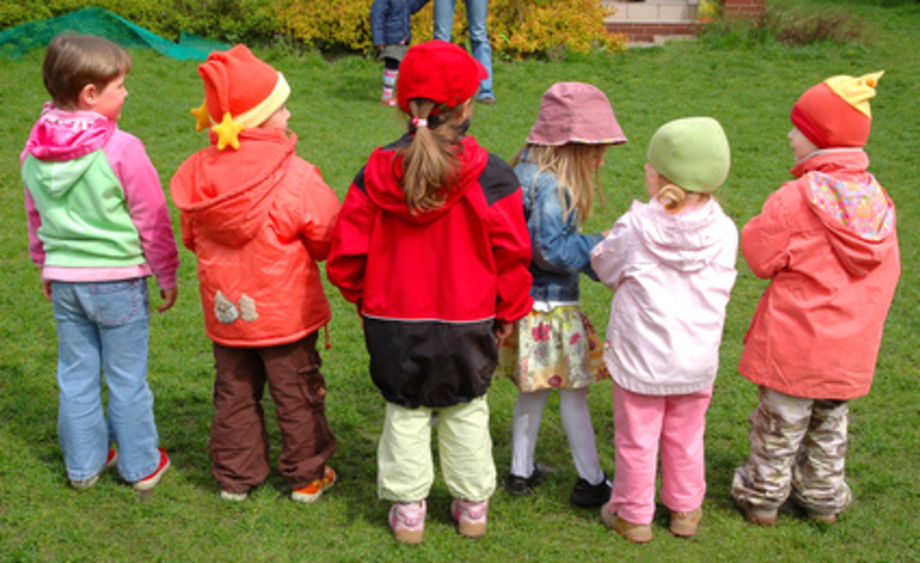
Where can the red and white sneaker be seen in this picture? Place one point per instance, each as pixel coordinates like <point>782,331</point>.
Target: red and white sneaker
<point>314,490</point>
<point>110,462</point>
<point>154,478</point>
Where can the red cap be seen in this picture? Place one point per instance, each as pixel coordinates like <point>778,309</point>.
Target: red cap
<point>438,71</point>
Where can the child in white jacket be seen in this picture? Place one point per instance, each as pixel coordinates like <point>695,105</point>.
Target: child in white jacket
<point>671,262</point>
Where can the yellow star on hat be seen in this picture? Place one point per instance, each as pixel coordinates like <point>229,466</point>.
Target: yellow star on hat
<point>202,120</point>
<point>227,132</point>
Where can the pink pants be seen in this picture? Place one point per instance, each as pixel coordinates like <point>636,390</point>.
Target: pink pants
<point>642,423</point>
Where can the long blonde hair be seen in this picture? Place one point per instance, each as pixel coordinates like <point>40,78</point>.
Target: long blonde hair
<point>430,164</point>
<point>575,166</point>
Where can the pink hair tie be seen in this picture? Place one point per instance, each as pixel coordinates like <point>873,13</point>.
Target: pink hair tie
<point>419,122</point>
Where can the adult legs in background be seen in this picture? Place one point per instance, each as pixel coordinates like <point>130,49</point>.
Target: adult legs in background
<point>477,12</point>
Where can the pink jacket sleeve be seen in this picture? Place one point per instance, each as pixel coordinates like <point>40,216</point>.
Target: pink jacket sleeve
<point>608,257</point>
<point>36,249</point>
<point>146,204</point>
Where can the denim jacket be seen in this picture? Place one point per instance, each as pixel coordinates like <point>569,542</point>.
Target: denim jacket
<point>391,20</point>
<point>560,252</point>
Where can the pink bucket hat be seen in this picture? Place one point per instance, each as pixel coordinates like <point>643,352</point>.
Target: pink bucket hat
<point>575,112</point>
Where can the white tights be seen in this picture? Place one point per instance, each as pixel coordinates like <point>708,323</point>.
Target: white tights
<point>576,421</point>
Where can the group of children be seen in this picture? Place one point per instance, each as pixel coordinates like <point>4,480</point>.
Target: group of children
<point>461,266</point>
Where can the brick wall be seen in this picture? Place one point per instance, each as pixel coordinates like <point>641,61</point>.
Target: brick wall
<point>744,8</point>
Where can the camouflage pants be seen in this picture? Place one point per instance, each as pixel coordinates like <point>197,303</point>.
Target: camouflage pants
<point>798,445</point>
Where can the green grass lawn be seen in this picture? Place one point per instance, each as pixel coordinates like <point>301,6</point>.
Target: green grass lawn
<point>749,88</point>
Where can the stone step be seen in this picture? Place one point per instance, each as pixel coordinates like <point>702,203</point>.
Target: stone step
<point>652,11</point>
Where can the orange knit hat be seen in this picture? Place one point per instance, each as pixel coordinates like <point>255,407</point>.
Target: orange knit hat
<point>240,92</point>
<point>836,112</point>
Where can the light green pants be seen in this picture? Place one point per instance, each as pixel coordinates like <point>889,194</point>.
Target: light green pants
<point>405,470</point>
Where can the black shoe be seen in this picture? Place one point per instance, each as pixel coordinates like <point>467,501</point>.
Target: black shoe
<point>521,486</point>
<point>586,494</point>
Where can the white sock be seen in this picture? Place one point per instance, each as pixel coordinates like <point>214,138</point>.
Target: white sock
<point>576,420</point>
<point>528,412</point>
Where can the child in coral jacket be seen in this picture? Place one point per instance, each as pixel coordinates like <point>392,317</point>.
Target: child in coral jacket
<point>98,227</point>
<point>432,246</point>
<point>671,262</point>
<point>259,218</point>
<point>827,241</point>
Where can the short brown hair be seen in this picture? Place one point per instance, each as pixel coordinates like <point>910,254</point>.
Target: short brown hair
<point>73,61</point>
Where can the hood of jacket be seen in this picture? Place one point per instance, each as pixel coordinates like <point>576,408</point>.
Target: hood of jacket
<point>384,171</point>
<point>217,188</point>
<point>688,241</point>
<point>64,142</point>
<point>851,204</point>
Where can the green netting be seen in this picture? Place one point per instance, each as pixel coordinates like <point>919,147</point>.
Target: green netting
<point>16,41</point>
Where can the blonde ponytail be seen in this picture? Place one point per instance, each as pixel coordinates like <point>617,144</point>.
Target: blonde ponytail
<point>674,198</point>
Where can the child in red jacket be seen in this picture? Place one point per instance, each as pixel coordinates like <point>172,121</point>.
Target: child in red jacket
<point>433,248</point>
<point>259,217</point>
<point>827,241</point>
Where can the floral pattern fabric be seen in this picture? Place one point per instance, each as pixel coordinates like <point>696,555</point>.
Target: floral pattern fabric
<point>555,349</point>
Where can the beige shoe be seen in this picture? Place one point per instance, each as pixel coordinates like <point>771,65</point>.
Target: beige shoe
<point>759,516</point>
<point>686,524</point>
<point>636,533</point>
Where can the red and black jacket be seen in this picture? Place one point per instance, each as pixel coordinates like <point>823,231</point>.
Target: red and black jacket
<point>431,285</point>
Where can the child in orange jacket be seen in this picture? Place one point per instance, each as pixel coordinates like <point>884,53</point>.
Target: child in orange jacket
<point>827,241</point>
<point>259,218</point>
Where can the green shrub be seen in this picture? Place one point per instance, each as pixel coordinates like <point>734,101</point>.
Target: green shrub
<point>516,27</point>
<point>791,27</point>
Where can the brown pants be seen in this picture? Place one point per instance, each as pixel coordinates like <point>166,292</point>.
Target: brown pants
<point>239,441</point>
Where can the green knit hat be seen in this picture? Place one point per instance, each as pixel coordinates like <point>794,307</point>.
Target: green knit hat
<point>692,152</point>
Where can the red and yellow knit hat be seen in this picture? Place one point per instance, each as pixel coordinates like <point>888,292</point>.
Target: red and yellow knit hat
<point>836,112</point>
<point>240,92</point>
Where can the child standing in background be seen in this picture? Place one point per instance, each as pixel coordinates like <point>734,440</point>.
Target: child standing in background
<point>827,241</point>
<point>671,262</point>
<point>258,217</point>
<point>432,246</point>
<point>98,226</point>
<point>555,346</point>
<point>391,32</point>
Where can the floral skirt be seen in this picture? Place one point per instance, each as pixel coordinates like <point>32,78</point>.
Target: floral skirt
<point>553,349</point>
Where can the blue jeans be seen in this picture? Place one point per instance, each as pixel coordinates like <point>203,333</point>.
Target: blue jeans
<point>476,11</point>
<point>103,327</point>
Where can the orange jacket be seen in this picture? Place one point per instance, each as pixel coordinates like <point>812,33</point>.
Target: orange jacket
<point>828,242</point>
<point>258,218</point>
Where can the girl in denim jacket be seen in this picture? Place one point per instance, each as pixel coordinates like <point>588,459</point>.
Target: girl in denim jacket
<point>555,346</point>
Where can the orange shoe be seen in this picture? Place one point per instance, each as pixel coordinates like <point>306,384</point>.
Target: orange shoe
<point>315,489</point>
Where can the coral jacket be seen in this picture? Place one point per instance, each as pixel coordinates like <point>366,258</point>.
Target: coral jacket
<point>431,284</point>
<point>827,240</point>
<point>258,218</point>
